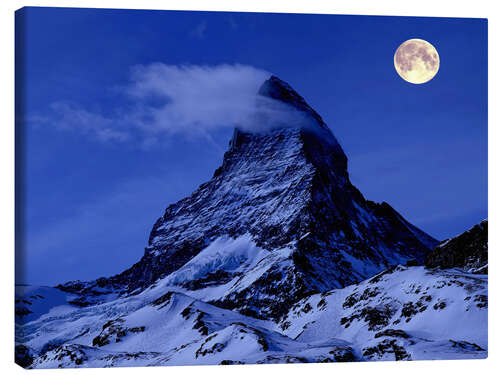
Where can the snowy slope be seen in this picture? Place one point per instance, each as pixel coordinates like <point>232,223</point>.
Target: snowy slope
<point>170,329</point>
<point>34,301</point>
<point>402,313</point>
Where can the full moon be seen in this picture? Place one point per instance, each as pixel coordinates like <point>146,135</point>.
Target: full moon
<point>416,61</point>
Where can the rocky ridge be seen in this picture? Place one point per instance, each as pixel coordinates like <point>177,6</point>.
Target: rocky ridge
<point>468,251</point>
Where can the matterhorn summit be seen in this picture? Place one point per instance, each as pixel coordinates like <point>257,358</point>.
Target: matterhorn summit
<point>284,191</point>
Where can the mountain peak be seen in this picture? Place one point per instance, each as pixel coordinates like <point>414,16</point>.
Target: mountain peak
<point>277,89</point>
<point>284,113</point>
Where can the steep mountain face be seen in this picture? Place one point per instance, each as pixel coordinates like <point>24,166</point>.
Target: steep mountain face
<point>286,190</point>
<point>468,251</point>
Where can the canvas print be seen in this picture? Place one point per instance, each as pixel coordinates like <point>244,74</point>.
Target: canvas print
<point>220,188</point>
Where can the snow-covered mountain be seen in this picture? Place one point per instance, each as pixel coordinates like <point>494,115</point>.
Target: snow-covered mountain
<point>287,191</point>
<point>253,266</point>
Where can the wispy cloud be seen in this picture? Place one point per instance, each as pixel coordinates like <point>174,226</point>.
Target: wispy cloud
<point>68,116</point>
<point>162,100</point>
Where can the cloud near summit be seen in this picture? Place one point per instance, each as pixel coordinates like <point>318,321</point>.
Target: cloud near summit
<point>185,99</point>
<point>161,100</point>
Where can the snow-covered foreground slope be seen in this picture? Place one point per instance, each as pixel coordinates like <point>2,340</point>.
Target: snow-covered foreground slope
<point>404,313</point>
<point>163,329</point>
<point>34,301</point>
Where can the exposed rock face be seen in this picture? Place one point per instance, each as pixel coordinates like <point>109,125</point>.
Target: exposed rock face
<point>287,187</point>
<point>468,251</point>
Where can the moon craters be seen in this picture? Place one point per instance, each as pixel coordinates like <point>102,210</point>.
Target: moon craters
<point>416,61</point>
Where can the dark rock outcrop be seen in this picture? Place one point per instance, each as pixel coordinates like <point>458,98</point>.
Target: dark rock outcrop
<point>23,355</point>
<point>468,251</point>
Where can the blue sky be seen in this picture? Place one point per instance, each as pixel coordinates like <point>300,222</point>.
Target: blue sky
<point>99,169</point>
